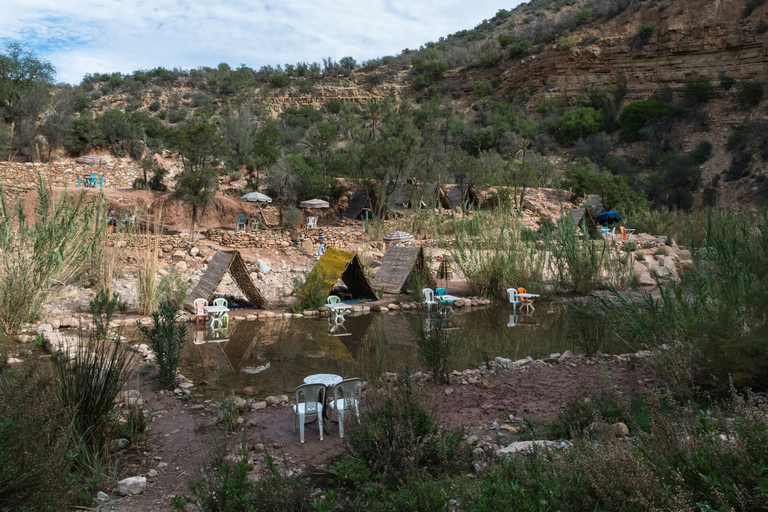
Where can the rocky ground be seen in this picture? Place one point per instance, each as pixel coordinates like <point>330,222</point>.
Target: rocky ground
<point>491,405</point>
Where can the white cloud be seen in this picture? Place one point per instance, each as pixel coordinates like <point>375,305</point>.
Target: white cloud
<point>86,36</point>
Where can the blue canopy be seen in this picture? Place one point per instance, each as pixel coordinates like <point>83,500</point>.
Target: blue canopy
<point>607,218</point>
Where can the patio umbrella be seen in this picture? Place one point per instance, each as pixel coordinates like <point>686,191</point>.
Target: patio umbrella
<point>89,160</point>
<point>397,237</point>
<point>314,203</point>
<point>255,197</point>
<point>607,218</point>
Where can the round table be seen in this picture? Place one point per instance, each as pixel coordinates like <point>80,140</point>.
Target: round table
<point>329,379</point>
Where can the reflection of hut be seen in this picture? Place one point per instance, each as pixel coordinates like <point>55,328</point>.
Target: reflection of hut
<point>239,345</point>
<point>400,267</point>
<point>333,265</point>
<point>582,215</point>
<point>357,203</point>
<point>221,263</point>
<point>399,331</point>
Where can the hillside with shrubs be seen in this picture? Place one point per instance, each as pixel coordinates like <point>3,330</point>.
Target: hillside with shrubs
<point>642,102</point>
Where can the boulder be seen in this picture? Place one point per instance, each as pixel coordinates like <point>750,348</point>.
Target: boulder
<point>178,256</point>
<point>256,406</point>
<point>525,446</point>
<point>276,399</point>
<point>131,485</point>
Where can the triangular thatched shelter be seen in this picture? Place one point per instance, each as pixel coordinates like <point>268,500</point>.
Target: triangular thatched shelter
<point>336,264</point>
<point>401,266</point>
<point>581,215</point>
<point>356,205</point>
<point>221,263</point>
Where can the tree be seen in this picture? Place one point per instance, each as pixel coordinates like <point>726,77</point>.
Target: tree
<point>199,144</point>
<point>531,172</point>
<point>21,70</point>
<point>319,143</point>
<point>373,115</point>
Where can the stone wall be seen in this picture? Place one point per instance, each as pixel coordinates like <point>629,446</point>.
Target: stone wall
<point>341,237</point>
<point>167,244</point>
<point>22,177</point>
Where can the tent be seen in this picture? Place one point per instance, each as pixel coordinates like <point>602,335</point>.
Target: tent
<point>221,263</point>
<point>400,266</point>
<point>581,215</point>
<point>336,264</point>
<point>356,204</point>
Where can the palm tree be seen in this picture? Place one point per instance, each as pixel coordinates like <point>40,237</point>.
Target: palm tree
<point>373,113</point>
<point>524,145</point>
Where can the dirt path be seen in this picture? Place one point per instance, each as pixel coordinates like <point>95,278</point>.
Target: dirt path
<point>183,435</point>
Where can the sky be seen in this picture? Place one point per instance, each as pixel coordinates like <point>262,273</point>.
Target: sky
<point>88,36</point>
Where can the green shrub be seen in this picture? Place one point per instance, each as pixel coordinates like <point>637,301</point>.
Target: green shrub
<point>489,58</point>
<point>173,289</point>
<point>579,123</point>
<point>567,42</point>
<point>519,49</point>
<point>311,295</point>
<point>102,308</point>
<point>435,352</point>
<point>636,115</point>
<point>481,89</point>
<point>279,81</point>
<point>505,39</point>
<point>427,71</point>
<point>750,92</point>
<point>166,337</point>
<point>154,106</point>
<point>290,217</point>
<point>698,89</point>
<point>645,32</point>
<point>703,152</point>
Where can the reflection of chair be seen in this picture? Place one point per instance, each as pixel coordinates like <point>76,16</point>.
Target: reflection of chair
<point>314,398</point>
<point>200,313</point>
<point>311,222</point>
<point>240,222</point>
<point>346,396</point>
<point>429,298</point>
<point>513,297</point>
<point>199,338</point>
<point>220,302</point>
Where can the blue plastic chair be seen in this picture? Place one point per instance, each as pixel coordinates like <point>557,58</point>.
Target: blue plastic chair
<point>240,222</point>
<point>94,181</point>
<point>441,291</point>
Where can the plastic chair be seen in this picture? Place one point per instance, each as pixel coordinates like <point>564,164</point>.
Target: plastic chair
<point>200,313</point>
<point>333,299</point>
<point>314,398</point>
<point>513,297</point>
<point>441,291</point>
<point>311,222</point>
<point>346,396</point>
<point>94,179</point>
<point>240,223</point>
<point>101,180</point>
<point>254,224</point>
<point>429,298</point>
<point>623,233</point>
<point>220,302</point>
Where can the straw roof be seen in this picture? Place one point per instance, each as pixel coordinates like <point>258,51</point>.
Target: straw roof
<point>356,204</point>
<point>582,215</point>
<point>221,263</point>
<point>336,264</point>
<point>400,265</point>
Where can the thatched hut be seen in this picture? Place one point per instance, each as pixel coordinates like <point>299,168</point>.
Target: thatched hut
<point>402,266</point>
<point>221,263</point>
<point>336,264</point>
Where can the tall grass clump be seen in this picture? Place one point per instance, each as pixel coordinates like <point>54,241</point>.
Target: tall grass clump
<point>86,389</point>
<point>40,253</point>
<point>577,262</point>
<point>103,308</point>
<point>713,323</point>
<point>492,254</point>
<point>310,294</point>
<point>435,352</point>
<point>166,337</point>
<point>146,271</point>
<point>173,288</point>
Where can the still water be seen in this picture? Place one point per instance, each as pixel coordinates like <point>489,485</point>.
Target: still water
<point>273,357</point>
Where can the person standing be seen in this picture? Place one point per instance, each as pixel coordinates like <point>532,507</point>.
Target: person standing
<point>321,240</point>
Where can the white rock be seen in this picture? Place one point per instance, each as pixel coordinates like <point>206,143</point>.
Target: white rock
<point>521,446</point>
<point>131,485</point>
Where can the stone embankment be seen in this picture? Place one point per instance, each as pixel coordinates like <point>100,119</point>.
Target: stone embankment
<point>18,178</point>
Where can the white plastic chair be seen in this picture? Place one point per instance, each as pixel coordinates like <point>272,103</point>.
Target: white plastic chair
<point>513,298</point>
<point>200,313</point>
<point>314,398</point>
<point>311,222</point>
<point>429,298</point>
<point>346,396</point>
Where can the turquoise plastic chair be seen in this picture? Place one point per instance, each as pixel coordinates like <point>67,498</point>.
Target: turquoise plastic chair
<point>441,291</point>
<point>94,179</point>
<point>240,222</point>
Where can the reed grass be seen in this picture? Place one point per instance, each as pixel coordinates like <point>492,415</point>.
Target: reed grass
<point>146,270</point>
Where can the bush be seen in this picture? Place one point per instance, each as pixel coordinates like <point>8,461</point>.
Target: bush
<point>579,123</point>
<point>279,81</point>
<point>290,217</point>
<point>750,92</point>
<point>310,295</point>
<point>703,152</point>
<point>435,352</point>
<point>154,106</point>
<point>645,32</point>
<point>102,308</point>
<point>482,89</point>
<point>595,147</point>
<point>505,39</point>
<point>489,58</point>
<point>154,176</point>
<point>427,71</point>
<point>636,115</point>
<point>567,42</point>
<point>173,289</point>
<point>698,89</point>
<point>519,49</point>
<point>166,337</point>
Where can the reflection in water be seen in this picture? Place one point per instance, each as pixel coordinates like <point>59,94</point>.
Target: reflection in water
<point>273,357</point>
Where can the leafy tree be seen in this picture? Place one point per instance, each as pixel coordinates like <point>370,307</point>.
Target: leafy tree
<point>199,144</point>
<point>21,70</point>
<point>320,143</point>
<point>636,115</point>
<point>579,123</point>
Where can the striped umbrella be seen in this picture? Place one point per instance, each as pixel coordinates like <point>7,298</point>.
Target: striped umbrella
<point>398,237</point>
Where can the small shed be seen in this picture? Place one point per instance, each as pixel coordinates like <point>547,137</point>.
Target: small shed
<point>221,263</point>
<point>336,264</point>
<point>401,266</point>
<point>358,201</point>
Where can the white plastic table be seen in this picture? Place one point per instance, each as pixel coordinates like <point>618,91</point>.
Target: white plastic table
<point>629,233</point>
<point>215,313</point>
<point>450,299</point>
<point>338,310</point>
<point>531,296</point>
<point>329,379</point>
